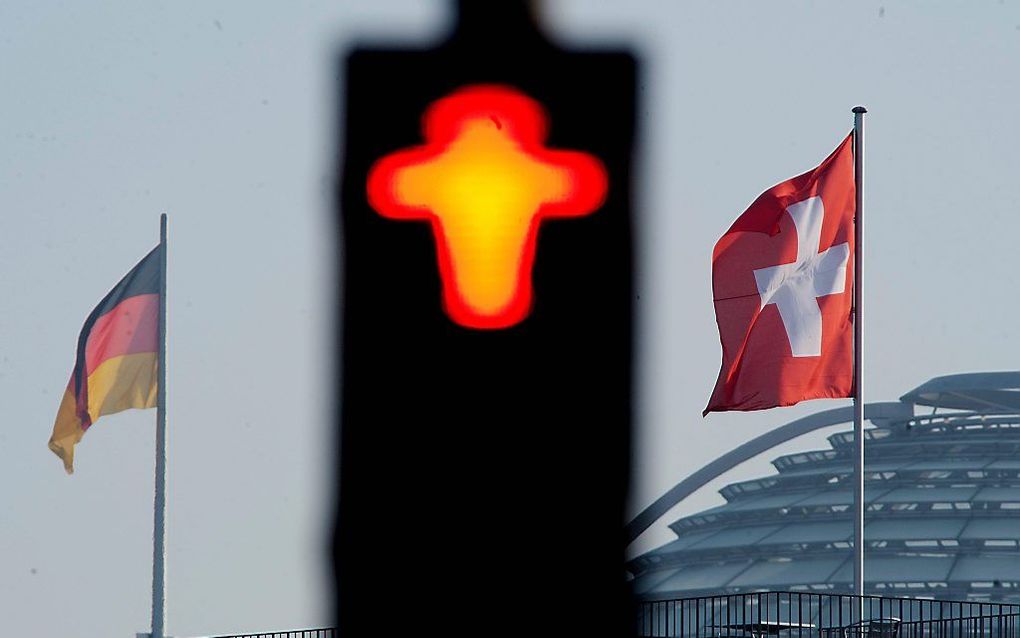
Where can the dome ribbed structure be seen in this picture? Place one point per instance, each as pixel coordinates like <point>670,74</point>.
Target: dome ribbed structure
<point>942,519</point>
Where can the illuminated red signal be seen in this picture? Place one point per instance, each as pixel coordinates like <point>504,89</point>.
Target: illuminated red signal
<point>485,182</point>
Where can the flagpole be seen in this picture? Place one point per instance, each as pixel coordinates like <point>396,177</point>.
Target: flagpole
<point>159,518</point>
<point>858,112</point>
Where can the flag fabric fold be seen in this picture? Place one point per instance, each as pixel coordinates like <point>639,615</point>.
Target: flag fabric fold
<point>116,366</point>
<point>782,281</point>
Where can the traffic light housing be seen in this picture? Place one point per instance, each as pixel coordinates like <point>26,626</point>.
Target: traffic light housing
<point>484,459</point>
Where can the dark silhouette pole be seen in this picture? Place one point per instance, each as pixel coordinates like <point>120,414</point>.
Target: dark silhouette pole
<point>483,473</point>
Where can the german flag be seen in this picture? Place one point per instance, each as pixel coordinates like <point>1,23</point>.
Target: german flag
<point>117,362</point>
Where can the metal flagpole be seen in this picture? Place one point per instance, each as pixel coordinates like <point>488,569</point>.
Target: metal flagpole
<point>159,519</point>
<point>858,112</point>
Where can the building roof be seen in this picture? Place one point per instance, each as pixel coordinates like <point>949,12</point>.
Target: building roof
<point>942,518</point>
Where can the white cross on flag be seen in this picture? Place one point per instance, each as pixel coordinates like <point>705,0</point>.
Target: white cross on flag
<point>782,280</point>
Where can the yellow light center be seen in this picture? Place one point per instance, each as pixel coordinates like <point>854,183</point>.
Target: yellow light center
<point>485,190</point>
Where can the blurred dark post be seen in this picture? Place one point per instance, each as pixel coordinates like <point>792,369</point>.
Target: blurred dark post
<point>483,473</point>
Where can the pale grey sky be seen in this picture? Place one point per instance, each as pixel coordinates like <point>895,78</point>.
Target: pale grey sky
<point>222,115</point>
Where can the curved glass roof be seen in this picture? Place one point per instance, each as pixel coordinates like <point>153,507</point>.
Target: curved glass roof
<point>942,519</point>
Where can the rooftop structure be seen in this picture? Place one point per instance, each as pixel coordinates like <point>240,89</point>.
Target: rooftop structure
<point>942,491</point>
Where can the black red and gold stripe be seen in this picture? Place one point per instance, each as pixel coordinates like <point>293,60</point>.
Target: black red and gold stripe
<point>117,360</point>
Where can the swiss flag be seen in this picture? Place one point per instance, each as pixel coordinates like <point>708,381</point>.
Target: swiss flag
<point>782,280</point>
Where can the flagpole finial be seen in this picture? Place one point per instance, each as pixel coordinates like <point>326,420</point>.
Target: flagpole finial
<point>859,109</point>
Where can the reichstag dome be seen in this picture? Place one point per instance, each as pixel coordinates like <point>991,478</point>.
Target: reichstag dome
<point>942,487</point>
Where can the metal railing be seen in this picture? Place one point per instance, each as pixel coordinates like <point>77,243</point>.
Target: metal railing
<point>325,632</point>
<point>997,625</point>
<point>822,615</point>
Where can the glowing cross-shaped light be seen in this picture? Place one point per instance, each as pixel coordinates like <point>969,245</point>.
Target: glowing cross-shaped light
<point>795,288</point>
<point>485,182</point>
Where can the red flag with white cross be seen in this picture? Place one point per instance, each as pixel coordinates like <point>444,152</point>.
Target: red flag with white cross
<point>782,280</point>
